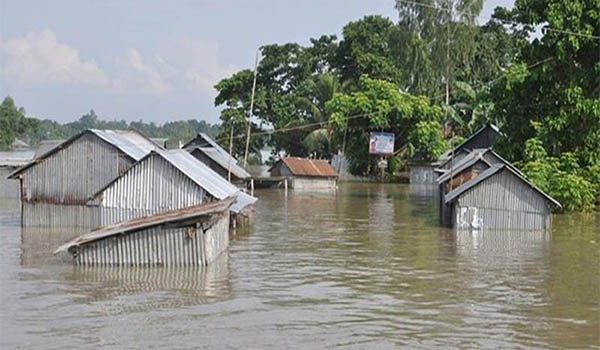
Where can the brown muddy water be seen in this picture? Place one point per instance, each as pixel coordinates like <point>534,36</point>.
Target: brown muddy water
<point>366,268</point>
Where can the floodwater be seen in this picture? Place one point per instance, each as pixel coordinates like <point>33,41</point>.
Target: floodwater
<point>366,268</point>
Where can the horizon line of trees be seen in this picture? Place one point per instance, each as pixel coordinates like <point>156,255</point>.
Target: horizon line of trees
<point>15,124</point>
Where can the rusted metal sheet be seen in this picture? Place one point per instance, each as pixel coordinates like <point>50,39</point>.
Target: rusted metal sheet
<point>499,198</point>
<point>190,236</point>
<point>303,167</point>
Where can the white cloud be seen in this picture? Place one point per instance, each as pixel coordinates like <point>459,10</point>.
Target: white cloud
<point>185,66</point>
<point>134,74</point>
<point>39,58</point>
<point>203,65</point>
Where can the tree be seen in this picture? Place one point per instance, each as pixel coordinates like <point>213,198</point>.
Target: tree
<point>13,123</point>
<point>552,93</point>
<point>378,105</point>
<point>366,49</point>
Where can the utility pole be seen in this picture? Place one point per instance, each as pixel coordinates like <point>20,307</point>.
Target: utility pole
<point>448,53</point>
<point>230,153</point>
<point>251,111</point>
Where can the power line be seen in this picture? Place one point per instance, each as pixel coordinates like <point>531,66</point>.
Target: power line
<point>303,126</point>
<point>498,19</point>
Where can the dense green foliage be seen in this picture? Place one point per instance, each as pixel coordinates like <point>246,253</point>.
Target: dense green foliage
<point>379,105</point>
<point>549,101</point>
<point>13,123</point>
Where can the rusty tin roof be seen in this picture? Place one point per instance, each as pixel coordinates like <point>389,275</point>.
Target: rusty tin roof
<point>308,167</point>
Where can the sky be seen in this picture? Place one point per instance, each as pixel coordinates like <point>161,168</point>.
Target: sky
<point>151,60</point>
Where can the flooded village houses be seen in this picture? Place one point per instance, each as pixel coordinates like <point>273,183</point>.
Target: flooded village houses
<point>9,163</point>
<point>425,172</point>
<point>485,192</point>
<point>206,150</point>
<point>56,185</point>
<point>305,174</point>
<point>172,207</point>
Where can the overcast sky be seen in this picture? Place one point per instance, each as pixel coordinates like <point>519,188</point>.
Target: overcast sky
<point>151,60</point>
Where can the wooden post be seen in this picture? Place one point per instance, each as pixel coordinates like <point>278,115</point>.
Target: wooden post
<point>285,185</point>
<point>230,154</point>
<point>252,187</point>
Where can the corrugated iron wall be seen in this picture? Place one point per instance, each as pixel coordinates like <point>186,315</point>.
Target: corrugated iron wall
<point>59,215</point>
<point>150,187</point>
<point>313,183</point>
<point>502,202</point>
<point>74,173</point>
<point>159,246</point>
<point>8,188</point>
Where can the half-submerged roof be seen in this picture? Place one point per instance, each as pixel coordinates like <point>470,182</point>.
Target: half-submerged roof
<point>223,162</point>
<point>203,140</point>
<point>199,173</point>
<point>16,158</point>
<point>454,194</point>
<point>130,142</point>
<point>488,127</point>
<point>307,167</point>
<point>137,224</point>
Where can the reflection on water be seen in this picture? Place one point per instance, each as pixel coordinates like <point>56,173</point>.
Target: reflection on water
<point>367,267</point>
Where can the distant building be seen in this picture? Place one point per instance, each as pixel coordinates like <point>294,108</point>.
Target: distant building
<point>19,145</point>
<point>305,174</point>
<point>9,163</point>
<point>498,197</point>
<point>46,146</point>
<point>161,141</point>
<point>422,172</point>
<point>206,150</point>
<point>56,185</point>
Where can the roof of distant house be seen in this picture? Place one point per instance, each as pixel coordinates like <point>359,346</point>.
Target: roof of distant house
<point>130,142</point>
<point>307,167</point>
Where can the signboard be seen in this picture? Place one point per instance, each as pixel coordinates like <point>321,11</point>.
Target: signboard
<point>381,143</point>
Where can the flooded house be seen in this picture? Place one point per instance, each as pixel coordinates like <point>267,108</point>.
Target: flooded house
<point>9,163</point>
<point>46,145</point>
<point>56,185</point>
<point>305,173</point>
<point>208,151</point>
<point>171,205</point>
<point>497,198</point>
<point>427,172</point>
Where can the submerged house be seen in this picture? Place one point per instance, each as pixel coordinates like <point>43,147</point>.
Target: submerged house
<point>498,197</point>
<point>206,150</point>
<point>191,236</point>
<point>428,172</point>
<point>56,185</point>
<point>168,203</point>
<point>305,174</point>
<point>163,181</point>
<point>9,163</point>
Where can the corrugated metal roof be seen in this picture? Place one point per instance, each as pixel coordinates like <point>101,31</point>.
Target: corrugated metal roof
<point>203,140</point>
<point>471,159</point>
<point>457,148</point>
<point>16,158</point>
<point>148,221</point>
<point>308,167</point>
<point>218,157</point>
<point>242,200</point>
<point>130,142</point>
<point>46,146</point>
<point>200,173</point>
<point>453,195</point>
